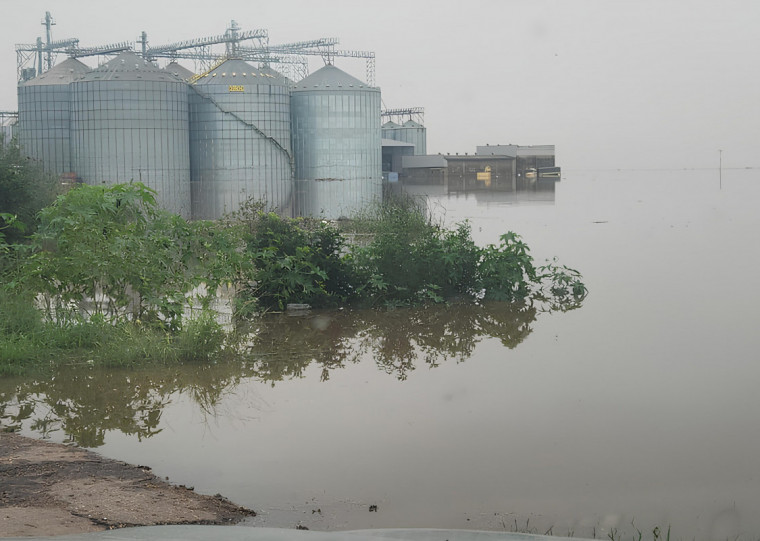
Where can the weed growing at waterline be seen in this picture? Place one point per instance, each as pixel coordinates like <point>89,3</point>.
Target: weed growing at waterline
<point>199,339</point>
<point>29,341</point>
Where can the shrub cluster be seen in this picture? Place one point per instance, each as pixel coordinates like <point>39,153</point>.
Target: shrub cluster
<point>407,259</point>
<point>106,261</point>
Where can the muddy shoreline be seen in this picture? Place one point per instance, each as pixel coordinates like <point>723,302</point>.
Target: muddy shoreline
<point>53,489</point>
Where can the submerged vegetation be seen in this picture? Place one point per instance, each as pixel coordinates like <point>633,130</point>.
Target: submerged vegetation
<point>104,274</point>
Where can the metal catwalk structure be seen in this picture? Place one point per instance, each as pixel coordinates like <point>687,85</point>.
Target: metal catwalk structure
<point>33,59</point>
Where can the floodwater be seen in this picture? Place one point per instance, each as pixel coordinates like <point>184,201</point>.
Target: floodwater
<point>635,411</point>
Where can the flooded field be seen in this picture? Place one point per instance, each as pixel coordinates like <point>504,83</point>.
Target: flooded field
<point>637,410</point>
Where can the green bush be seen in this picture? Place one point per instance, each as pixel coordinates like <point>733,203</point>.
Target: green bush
<point>79,334</point>
<point>134,344</point>
<point>200,339</point>
<point>18,315</point>
<point>296,261</point>
<point>113,248</point>
<point>560,286</point>
<point>115,274</point>
<point>24,190</point>
<point>506,271</point>
<point>409,259</point>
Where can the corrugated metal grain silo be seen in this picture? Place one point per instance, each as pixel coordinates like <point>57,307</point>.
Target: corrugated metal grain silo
<point>129,122</point>
<point>240,143</point>
<point>390,130</point>
<point>415,133</point>
<point>43,108</point>
<point>336,143</point>
<point>8,129</point>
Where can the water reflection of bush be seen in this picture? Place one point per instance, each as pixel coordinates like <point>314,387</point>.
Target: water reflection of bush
<point>283,346</point>
<point>86,402</point>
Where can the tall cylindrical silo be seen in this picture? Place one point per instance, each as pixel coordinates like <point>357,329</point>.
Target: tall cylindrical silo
<point>336,143</point>
<point>240,143</point>
<point>129,122</point>
<point>415,133</point>
<point>390,130</point>
<point>44,119</point>
<point>8,129</point>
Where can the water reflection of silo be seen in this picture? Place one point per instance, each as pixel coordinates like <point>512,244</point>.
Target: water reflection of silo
<point>43,108</point>
<point>129,122</point>
<point>336,142</point>
<point>240,139</point>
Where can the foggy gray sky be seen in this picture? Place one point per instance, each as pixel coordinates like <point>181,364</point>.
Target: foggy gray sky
<point>613,84</point>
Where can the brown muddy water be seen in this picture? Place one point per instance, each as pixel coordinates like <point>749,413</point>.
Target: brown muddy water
<point>637,410</point>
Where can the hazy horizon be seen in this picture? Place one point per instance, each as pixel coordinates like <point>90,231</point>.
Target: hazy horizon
<point>645,84</point>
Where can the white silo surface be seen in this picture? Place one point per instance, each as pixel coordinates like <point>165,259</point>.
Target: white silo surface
<point>240,140</point>
<point>337,145</point>
<point>129,122</point>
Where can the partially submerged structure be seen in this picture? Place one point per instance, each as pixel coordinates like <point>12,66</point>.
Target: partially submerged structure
<point>336,142</point>
<point>493,168</point>
<point>305,145</point>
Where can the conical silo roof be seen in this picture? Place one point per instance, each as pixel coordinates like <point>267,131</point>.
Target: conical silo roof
<point>390,125</point>
<point>412,124</point>
<point>179,71</point>
<point>267,71</point>
<point>329,77</point>
<point>67,71</point>
<point>236,71</point>
<point>129,66</point>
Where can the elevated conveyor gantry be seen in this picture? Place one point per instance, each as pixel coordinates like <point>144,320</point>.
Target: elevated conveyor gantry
<point>293,56</point>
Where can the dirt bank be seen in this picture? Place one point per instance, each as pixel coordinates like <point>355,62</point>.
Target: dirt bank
<point>52,489</point>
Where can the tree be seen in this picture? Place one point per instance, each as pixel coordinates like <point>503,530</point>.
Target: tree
<point>112,248</point>
<point>24,190</point>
